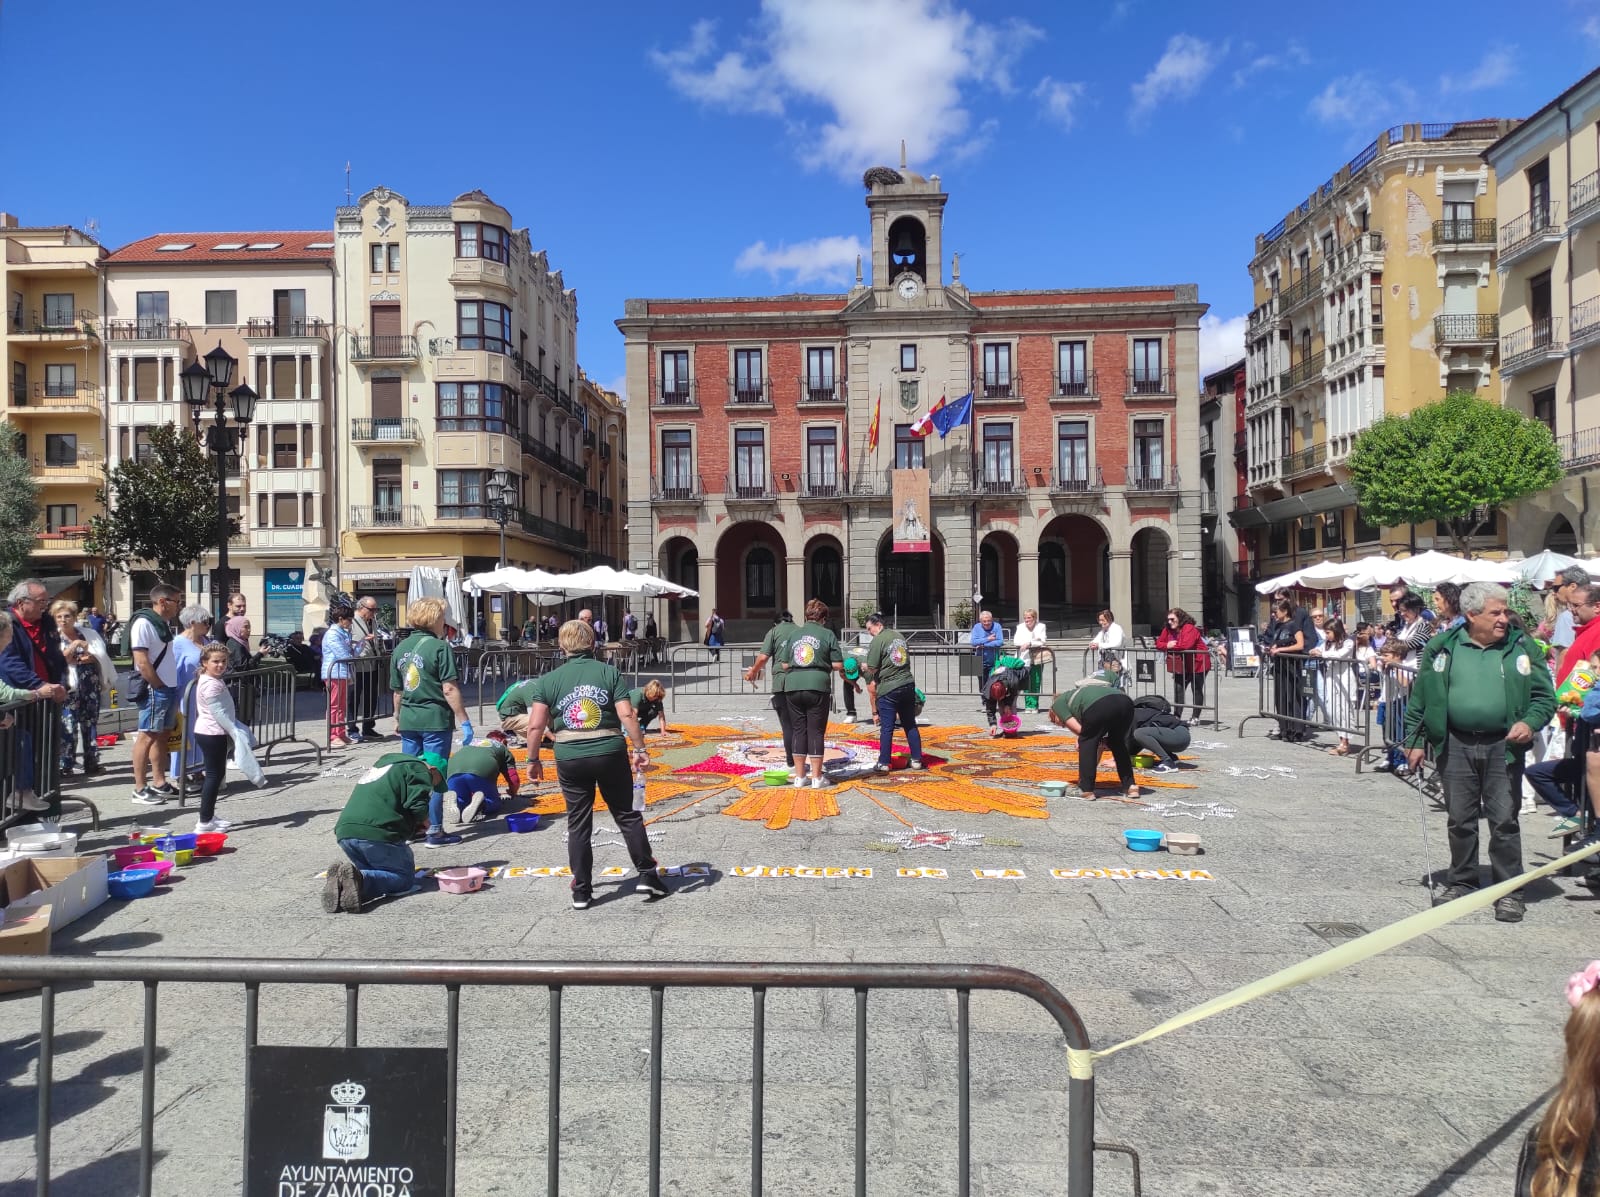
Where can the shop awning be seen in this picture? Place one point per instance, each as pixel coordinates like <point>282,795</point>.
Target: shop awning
<point>1248,517</point>
<point>377,569</point>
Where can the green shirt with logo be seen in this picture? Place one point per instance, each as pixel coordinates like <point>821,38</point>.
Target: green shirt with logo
<point>389,802</point>
<point>888,662</point>
<point>517,699</point>
<point>582,696</point>
<point>809,658</point>
<point>775,648</point>
<point>484,758</point>
<point>1074,702</point>
<point>644,707</point>
<point>420,667</point>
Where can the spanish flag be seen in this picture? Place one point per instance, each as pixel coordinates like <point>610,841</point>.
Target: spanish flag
<point>872,429</point>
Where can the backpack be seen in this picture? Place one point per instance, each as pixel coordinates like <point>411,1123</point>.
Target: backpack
<point>1155,701</point>
<point>138,688</point>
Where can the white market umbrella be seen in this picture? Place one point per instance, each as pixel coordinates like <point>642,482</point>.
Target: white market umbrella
<point>1541,569</point>
<point>1425,570</point>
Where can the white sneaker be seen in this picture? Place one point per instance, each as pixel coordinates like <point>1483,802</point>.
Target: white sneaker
<point>221,825</point>
<point>818,783</point>
<point>213,827</point>
<point>32,801</point>
<point>798,781</point>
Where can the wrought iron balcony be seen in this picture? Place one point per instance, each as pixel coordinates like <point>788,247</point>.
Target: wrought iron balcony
<point>384,347</point>
<point>289,327</point>
<point>998,483</point>
<point>750,391</point>
<point>1087,481</point>
<point>1536,228</point>
<point>1304,461</point>
<point>1579,449</point>
<point>589,439</point>
<point>1241,443</point>
<point>55,322</point>
<point>1082,384</point>
<point>1532,346</point>
<point>1583,200</point>
<point>387,515</point>
<point>82,466</point>
<point>1149,382</point>
<point>1264,317</point>
<point>388,430</point>
<point>1000,385</point>
<point>57,397</point>
<point>1585,323</point>
<point>1301,372</point>
<point>1152,481</point>
<point>1363,252</point>
<point>677,488</point>
<point>820,390</point>
<point>591,499</point>
<point>1466,328</point>
<point>747,488</point>
<point>1307,287</point>
<point>677,394</point>
<point>607,505</point>
<point>605,450</point>
<point>869,483</point>
<point>829,484</point>
<point>146,329</point>
<point>547,529</point>
<point>1459,233</point>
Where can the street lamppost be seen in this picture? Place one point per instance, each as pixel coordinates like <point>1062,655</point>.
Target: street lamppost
<point>502,495</point>
<point>222,441</point>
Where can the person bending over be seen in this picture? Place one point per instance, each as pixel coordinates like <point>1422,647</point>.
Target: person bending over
<point>472,779</point>
<point>388,805</point>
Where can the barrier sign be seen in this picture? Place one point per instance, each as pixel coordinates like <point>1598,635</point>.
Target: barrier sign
<point>333,1120</point>
<point>1242,649</point>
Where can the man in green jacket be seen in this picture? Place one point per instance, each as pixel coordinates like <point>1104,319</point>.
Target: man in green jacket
<point>389,803</point>
<point>1482,691</point>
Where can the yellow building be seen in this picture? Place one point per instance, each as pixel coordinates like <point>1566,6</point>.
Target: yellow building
<point>1549,260</point>
<point>1375,295</point>
<point>605,455</point>
<point>52,286</point>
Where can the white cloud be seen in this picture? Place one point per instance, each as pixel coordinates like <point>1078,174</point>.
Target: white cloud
<point>853,77</point>
<point>1292,55</point>
<point>1221,342</point>
<point>1178,73</point>
<point>1059,100</point>
<point>830,260</point>
<point>1497,67</point>
<point>1360,100</point>
<point>1591,29</point>
<point>619,385</point>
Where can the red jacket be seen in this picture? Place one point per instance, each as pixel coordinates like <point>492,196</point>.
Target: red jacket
<point>1192,655</point>
<point>1582,648</point>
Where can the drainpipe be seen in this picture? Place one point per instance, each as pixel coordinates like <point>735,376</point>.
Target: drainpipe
<point>1572,373</point>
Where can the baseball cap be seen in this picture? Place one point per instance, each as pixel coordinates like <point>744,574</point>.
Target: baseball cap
<point>435,761</point>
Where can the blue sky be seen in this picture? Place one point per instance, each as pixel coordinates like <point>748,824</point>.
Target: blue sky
<point>706,147</point>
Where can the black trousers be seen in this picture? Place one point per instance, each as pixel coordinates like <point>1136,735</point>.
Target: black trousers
<point>780,705</point>
<point>362,703</point>
<point>612,775</point>
<point>1196,683</point>
<point>808,709</point>
<point>1163,743</point>
<point>214,752</point>
<point>849,697</point>
<point>1105,725</point>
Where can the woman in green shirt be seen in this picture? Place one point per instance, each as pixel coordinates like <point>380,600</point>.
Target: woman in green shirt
<point>809,664</point>
<point>1101,716</point>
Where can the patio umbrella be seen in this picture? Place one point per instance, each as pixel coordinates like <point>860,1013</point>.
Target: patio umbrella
<point>1541,569</point>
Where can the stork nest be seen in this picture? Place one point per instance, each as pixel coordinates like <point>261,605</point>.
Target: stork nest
<point>881,174</point>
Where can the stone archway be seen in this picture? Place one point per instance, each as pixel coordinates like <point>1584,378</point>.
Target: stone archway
<point>998,575</point>
<point>911,585</point>
<point>1074,572</point>
<point>1151,586</point>
<point>752,578</point>
<point>1560,538</point>
<point>825,573</point>
<point>678,561</point>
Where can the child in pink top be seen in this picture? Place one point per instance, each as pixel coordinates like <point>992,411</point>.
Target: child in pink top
<point>211,699</point>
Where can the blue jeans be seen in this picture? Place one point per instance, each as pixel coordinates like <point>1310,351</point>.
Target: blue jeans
<point>385,868</point>
<point>462,786</point>
<point>899,704</point>
<point>160,710</point>
<point>415,743</point>
<point>1547,778</point>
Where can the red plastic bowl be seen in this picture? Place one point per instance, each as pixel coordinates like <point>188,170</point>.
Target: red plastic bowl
<point>209,843</point>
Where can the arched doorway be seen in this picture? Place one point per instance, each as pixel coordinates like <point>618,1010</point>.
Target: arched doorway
<point>1560,538</point>
<point>825,574</point>
<point>997,575</point>
<point>1074,572</point>
<point>1149,578</point>
<point>750,577</point>
<point>911,585</point>
<point>679,562</point>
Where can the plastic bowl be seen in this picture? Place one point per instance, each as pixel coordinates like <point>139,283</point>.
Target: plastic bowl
<point>209,843</point>
<point>1054,789</point>
<point>1010,724</point>
<point>178,856</point>
<point>461,881</point>
<point>183,841</point>
<point>131,855</point>
<point>1183,843</point>
<point>525,821</point>
<point>1142,841</point>
<point>1144,760</point>
<point>161,868</point>
<point>130,883</point>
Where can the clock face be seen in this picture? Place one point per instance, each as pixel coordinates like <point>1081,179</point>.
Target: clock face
<point>908,287</point>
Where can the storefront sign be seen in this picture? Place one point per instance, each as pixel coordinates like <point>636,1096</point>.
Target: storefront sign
<point>285,605</point>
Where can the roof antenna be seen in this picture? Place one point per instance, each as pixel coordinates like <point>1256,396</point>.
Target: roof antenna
<point>902,153</point>
<point>347,182</point>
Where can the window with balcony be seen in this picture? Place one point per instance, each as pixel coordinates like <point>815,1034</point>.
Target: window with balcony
<point>997,370</point>
<point>151,309</point>
<point>1539,195</point>
<point>461,494</point>
<point>489,241</point>
<point>675,376</point>
<point>1149,457</point>
<point>483,325</point>
<point>285,447</point>
<point>387,489</point>
<point>285,511</point>
<point>1539,308</point>
<point>1072,452</point>
<point>747,376</point>
<point>1072,367</point>
<point>908,357</point>
<point>750,462</point>
<point>60,381</point>
<point>59,311</point>
<point>677,463</point>
<point>1147,365</point>
<point>822,460</point>
<point>910,452</point>
<point>60,449</point>
<point>1544,407</point>
<point>819,374</point>
<point>476,407</point>
<point>222,307</point>
<point>997,453</point>
<point>60,515</point>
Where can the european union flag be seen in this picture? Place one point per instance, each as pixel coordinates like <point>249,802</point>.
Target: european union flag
<point>953,415</point>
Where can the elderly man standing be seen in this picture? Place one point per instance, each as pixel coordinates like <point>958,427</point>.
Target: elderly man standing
<point>1479,697</point>
<point>988,639</point>
<point>32,660</point>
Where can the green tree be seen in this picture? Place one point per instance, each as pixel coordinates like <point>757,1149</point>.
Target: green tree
<point>1454,461</point>
<point>19,510</point>
<point>161,508</point>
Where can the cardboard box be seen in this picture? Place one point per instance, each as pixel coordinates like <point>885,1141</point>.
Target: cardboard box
<point>23,933</point>
<point>71,885</point>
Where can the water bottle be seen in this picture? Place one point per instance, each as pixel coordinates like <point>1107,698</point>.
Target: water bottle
<point>638,792</point>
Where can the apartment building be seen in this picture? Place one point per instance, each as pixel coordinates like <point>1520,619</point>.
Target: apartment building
<point>1376,294</point>
<point>457,355</point>
<point>1548,172</point>
<point>52,359</point>
<point>266,297</point>
<point>605,455</point>
<point>778,438</point>
<point>1222,483</point>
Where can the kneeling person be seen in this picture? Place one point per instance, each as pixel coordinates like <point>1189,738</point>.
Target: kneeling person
<point>473,777</point>
<point>388,805</point>
<point>513,707</point>
<point>649,704</point>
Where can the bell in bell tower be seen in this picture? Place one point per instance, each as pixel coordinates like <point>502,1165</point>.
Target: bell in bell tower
<point>907,229</point>
<point>908,248</point>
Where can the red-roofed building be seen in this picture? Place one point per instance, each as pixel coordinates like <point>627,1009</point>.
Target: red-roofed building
<point>267,298</point>
<point>1074,487</point>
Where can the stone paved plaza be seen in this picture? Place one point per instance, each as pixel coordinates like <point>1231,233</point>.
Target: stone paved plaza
<point>1413,1073</point>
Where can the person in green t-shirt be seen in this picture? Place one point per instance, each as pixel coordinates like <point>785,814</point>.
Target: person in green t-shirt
<point>390,801</point>
<point>513,707</point>
<point>422,674</point>
<point>649,705</point>
<point>472,779</point>
<point>1101,716</point>
<point>892,690</point>
<point>775,648</point>
<point>585,704</point>
<point>809,664</point>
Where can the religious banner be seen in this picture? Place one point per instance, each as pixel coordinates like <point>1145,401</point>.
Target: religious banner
<point>912,514</point>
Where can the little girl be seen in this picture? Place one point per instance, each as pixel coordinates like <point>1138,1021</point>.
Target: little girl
<point>1559,1155</point>
<point>213,710</point>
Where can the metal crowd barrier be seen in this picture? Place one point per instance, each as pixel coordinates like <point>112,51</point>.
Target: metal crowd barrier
<point>500,669</point>
<point>1393,690</point>
<point>1168,672</point>
<point>31,749</point>
<point>1305,695</point>
<point>263,700</point>
<point>453,976</point>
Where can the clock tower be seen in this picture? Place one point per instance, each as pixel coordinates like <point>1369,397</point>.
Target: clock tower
<point>907,236</point>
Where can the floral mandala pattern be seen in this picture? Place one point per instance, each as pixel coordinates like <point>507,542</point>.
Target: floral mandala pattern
<point>970,774</point>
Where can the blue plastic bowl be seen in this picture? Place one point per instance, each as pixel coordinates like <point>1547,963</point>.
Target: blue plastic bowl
<point>179,843</point>
<point>1142,841</point>
<point>131,883</point>
<point>526,821</point>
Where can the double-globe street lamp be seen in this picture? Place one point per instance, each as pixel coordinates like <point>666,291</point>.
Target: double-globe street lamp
<point>502,494</point>
<point>222,441</point>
